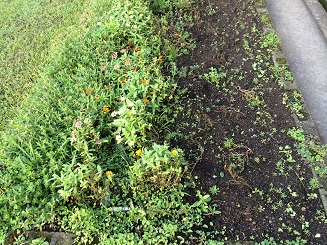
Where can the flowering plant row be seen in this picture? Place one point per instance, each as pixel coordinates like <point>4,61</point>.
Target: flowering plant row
<point>83,137</point>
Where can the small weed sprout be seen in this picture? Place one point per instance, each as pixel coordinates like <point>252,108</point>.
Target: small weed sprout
<point>214,190</point>
<point>214,76</point>
<point>270,41</point>
<point>314,184</point>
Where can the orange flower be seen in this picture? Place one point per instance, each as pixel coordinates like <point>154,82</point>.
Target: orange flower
<point>129,43</point>
<point>108,173</point>
<point>121,99</point>
<point>146,101</point>
<point>105,109</point>
<point>174,152</point>
<point>160,58</point>
<point>88,91</point>
<point>106,86</point>
<point>153,92</point>
<point>139,152</point>
<point>148,68</point>
<point>143,81</point>
<point>137,49</point>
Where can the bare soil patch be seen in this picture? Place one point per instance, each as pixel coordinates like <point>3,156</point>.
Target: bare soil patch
<point>235,131</point>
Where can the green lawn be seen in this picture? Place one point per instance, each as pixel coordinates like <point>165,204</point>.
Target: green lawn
<point>27,31</point>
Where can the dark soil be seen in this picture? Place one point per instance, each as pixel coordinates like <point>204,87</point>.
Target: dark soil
<point>235,133</point>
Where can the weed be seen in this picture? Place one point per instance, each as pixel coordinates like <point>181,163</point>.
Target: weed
<point>312,196</point>
<point>310,151</point>
<point>320,215</point>
<point>265,19</point>
<point>210,9</point>
<point>214,76</point>
<point>214,190</point>
<point>294,101</point>
<point>287,150</point>
<point>270,41</point>
<point>281,167</point>
<point>256,190</point>
<point>283,71</point>
<point>314,183</point>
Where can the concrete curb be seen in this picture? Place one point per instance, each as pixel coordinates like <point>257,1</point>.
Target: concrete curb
<point>309,129</point>
<point>307,125</point>
<point>319,13</point>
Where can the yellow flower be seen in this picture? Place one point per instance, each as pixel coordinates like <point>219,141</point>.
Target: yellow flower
<point>108,173</point>
<point>174,152</point>
<point>160,58</point>
<point>139,152</point>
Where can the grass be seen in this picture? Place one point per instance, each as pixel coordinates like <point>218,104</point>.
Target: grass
<point>28,30</point>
